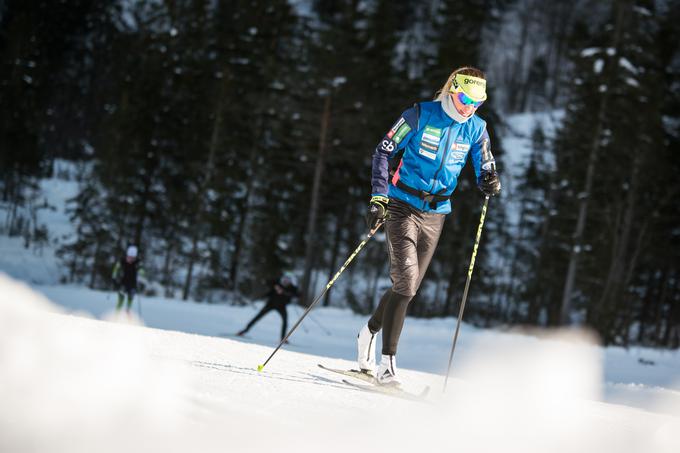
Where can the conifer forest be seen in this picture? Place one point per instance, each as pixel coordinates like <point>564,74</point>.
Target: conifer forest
<point>232,141</point>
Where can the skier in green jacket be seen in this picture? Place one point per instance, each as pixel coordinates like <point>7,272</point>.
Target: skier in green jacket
<point>125,274</point>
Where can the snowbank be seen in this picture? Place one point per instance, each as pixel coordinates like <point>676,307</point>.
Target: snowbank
<point>71,384</point>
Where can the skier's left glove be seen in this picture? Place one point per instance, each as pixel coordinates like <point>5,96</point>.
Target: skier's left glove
<point>489,183</point>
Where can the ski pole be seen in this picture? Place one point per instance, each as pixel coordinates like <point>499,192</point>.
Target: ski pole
<point>328,285</point>
<point>139,306</point>
<point>467,286</point>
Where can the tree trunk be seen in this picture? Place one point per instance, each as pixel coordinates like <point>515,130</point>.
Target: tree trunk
<point>200,197</point>
<point>510,297</point>
<point>517,79</point>
<point>658,309</point>
<point>584,196</point>
<point>167,280</point>
<point>337,239</point>
<point>93,272</point>
<point>314,205</point>
<point>244,210</point>
<point>669,333</point>
<point>537,301</point>
<point>560,44</point>
<point>190,271</point>
<point>142,206</point>
<point>614,282</point>
<point>653,286</point>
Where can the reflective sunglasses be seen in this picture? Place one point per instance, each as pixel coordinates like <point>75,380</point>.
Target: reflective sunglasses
<point>467,100</point>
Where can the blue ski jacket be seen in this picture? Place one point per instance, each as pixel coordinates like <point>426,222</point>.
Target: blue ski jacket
<point>425,152</point>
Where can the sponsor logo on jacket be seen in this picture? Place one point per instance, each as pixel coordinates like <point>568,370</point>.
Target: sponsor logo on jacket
<point>399,130</point>
<point>457,146</point>
<point>429,143</point>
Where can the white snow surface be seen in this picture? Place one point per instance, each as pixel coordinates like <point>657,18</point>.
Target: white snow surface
<point>40,265</point>
<point>76,378</point>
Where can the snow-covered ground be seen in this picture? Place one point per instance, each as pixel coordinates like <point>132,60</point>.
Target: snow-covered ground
<point>70,383</point>
<point>639,377</point>
<point>41,265</point>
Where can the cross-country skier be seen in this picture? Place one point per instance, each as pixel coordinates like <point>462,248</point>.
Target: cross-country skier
<point>280,295</point>
<point>124,276</point>
<point>415,171</point>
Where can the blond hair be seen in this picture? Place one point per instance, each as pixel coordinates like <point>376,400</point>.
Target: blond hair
<point>466,70</point>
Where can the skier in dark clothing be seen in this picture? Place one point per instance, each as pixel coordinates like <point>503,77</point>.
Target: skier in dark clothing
<point>280,295</point>
<point>124,276</point>
<point>415,171</point>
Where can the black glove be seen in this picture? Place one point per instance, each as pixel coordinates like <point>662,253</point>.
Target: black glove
<point>489,183</point>
<point>377,210</point>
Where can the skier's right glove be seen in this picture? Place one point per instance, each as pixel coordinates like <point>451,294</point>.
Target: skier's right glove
<point>377,210</point>
<point>489,183</point>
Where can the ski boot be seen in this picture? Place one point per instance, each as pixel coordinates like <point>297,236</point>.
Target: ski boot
<point>366,350</point>
<point>387,371</point>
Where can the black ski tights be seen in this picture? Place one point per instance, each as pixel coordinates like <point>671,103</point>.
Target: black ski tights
<point>389,316</point>
<point>266,309</point>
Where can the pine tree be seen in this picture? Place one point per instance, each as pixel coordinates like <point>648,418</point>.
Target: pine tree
<point>613,130</point>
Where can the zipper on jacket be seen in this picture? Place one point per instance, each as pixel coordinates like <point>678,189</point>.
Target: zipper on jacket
<point>436,173</point>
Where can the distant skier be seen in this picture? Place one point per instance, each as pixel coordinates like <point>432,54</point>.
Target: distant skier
<point>415,171</point>
<point>280,295</point>
<point>125,275</point>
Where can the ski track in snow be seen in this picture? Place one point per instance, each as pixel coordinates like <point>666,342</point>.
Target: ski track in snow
<point>74,383</point>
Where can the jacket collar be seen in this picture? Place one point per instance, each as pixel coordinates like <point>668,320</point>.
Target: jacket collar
<point>450,109</point>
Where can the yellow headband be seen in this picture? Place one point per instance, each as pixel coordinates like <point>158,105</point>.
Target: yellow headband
<point>475,87</point>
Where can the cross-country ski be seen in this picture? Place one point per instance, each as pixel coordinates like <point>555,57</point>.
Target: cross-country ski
<point>357,374</point>
<point>391,390</point>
